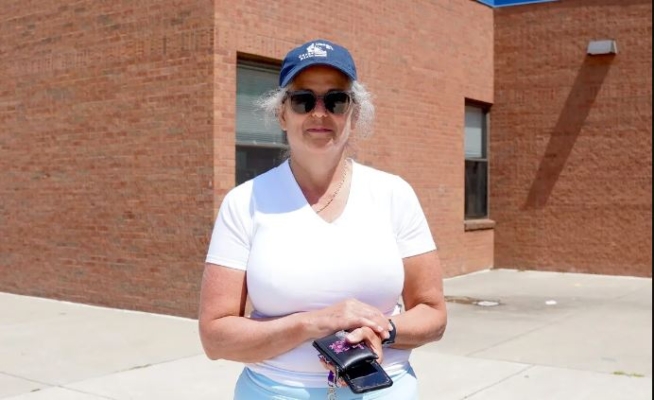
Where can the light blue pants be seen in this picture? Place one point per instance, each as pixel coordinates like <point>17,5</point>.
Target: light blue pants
<point>253,386</point>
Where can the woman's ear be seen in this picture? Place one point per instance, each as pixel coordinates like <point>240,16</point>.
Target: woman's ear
<point>281,117</point>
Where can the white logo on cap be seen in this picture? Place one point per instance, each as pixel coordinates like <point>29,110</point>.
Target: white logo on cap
<point>316,50</point>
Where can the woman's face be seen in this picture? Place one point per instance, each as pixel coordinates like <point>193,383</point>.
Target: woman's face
<point>317,131</point>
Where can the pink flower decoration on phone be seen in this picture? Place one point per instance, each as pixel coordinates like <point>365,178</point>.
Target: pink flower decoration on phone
<point>341,346</point>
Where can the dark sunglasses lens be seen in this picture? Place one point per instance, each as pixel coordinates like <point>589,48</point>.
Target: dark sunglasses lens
<point>303,103</point>
<point>337,102</point>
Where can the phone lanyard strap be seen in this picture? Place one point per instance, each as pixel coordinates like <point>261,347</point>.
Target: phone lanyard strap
<point>332,383</point>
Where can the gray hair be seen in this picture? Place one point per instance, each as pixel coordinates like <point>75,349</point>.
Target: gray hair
<point>364,110</point>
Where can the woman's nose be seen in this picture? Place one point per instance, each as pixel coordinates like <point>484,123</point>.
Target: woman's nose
<point>319,110</point>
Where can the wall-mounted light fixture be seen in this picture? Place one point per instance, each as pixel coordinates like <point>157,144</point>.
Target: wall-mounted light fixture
<point>602,47</point>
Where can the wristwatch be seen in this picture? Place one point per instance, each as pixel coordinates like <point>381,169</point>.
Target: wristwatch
<point>391,338</point>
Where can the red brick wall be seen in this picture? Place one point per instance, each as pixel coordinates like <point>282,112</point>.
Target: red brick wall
<point>420,59</point>
<point>117,130</point>
<point>105,148</point>
<point>571,167</point>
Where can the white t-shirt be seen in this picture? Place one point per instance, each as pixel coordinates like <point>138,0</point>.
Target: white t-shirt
<point>296,261</point>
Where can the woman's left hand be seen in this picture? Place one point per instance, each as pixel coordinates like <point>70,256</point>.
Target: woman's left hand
<point>370,337</point>
<point>363,334</point>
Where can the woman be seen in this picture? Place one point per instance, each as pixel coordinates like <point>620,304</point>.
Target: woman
<point>328,245</point>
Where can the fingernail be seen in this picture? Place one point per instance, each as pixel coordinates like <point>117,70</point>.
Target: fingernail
<point>379,328</point>
<point>386,335</point>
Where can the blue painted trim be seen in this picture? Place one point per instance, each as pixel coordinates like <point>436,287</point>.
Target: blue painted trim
<point>509,3</point>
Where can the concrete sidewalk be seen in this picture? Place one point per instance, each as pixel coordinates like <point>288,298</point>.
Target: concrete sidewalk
<point>552,336</point>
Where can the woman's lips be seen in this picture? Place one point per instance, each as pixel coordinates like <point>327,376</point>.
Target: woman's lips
<point>319,130</point>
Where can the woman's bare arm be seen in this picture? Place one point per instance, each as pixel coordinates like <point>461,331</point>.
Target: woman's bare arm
<point>226,333</point>
<point>425,318</point>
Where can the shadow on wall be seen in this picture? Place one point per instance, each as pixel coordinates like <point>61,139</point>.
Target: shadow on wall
<point>575,111</point>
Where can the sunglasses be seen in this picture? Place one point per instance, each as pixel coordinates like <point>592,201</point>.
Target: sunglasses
<point>337,102</point>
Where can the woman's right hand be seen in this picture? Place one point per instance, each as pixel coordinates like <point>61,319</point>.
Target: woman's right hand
<point>351,314</point>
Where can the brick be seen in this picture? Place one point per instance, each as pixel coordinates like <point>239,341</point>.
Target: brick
<point>571,164</point>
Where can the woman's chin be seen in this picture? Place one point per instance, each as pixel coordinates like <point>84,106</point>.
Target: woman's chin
<point>323,143</point>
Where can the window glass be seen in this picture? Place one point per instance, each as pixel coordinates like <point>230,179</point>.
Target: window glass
<point>260,144</point>
<point>251,126</point>
<point>476,162</point>
<point>252,161</point>
<point>474,137</point>
<point>476,189</point>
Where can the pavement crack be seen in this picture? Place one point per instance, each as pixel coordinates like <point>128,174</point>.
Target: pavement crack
<point>479,391</point>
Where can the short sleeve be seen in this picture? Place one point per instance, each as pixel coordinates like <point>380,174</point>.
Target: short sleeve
<point>230,240</point>
<point>409,222</point>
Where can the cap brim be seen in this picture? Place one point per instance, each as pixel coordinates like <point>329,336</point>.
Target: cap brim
<point>292,73</point>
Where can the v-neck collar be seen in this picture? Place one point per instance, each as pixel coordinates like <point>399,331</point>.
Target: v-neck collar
<point>306,207</point>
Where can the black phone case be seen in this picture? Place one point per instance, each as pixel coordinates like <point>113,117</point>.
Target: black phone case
<point>356,364</point>
<point>366,377</point>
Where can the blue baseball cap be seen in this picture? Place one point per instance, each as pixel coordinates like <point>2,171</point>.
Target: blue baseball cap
<point>316,52</point>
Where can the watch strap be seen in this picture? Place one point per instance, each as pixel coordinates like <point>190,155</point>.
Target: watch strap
<point>391,338</point>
